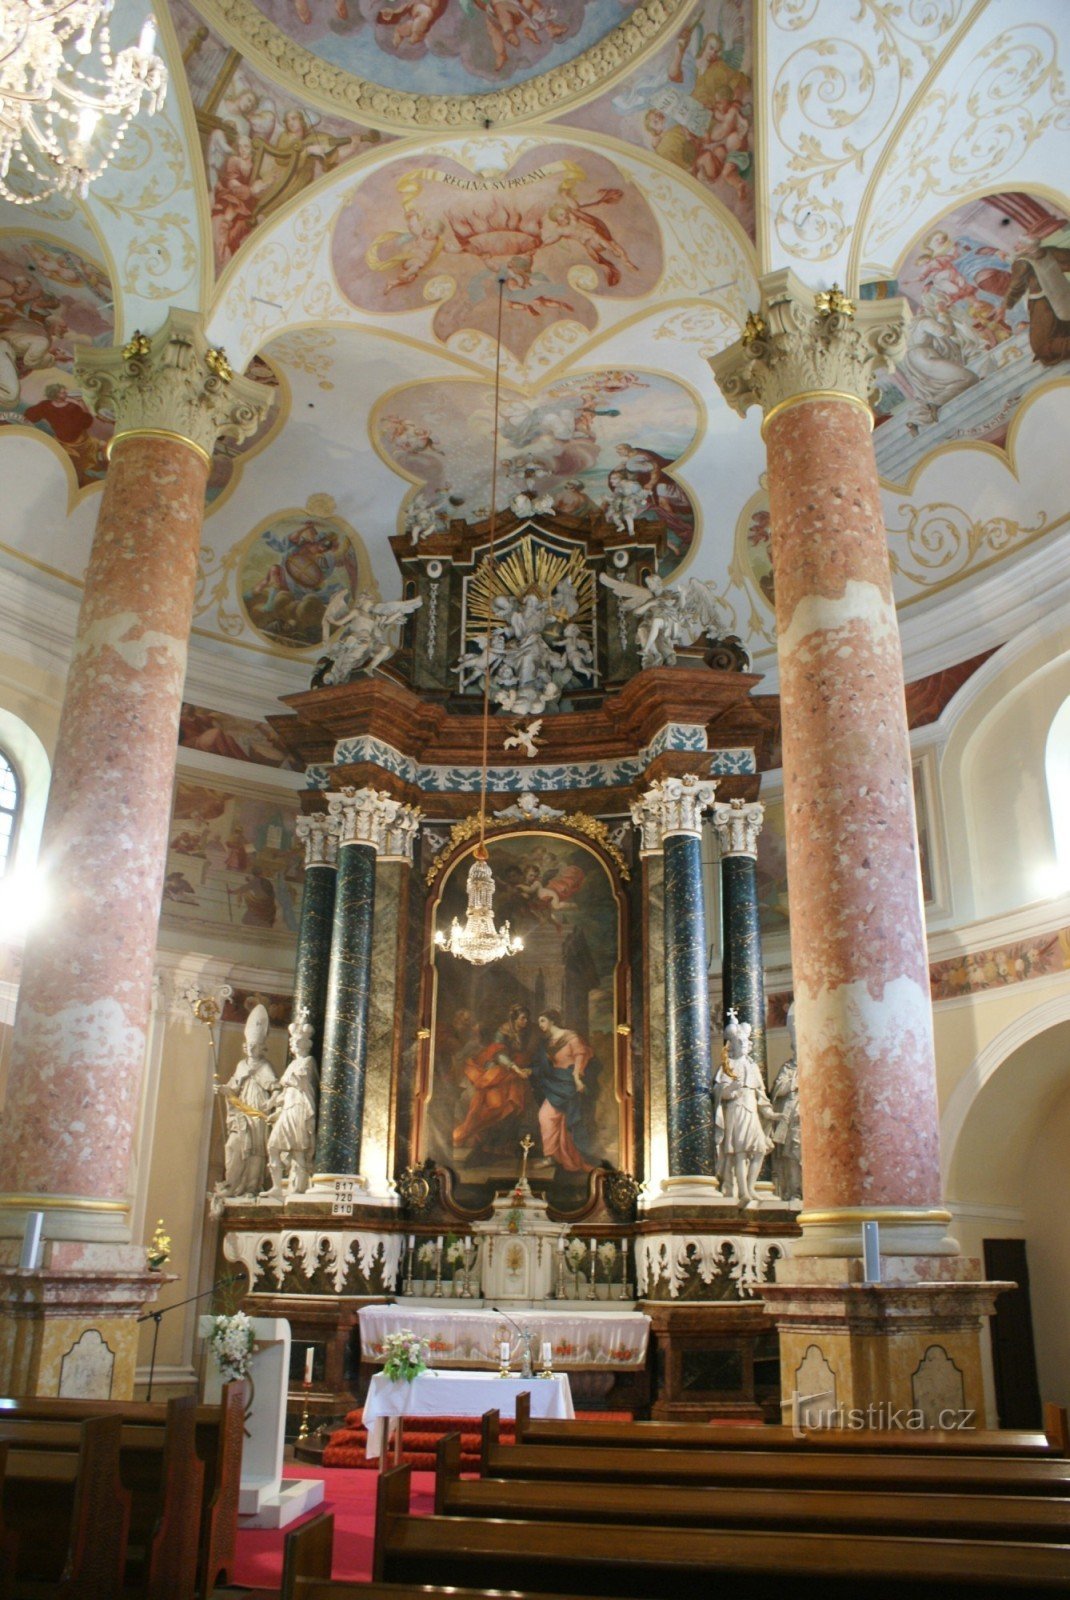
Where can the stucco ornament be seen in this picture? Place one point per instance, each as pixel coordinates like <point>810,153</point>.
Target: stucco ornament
<point>371,816</point>
<point>173,382</point>
<point>802,343</point>
<point>319,835</point>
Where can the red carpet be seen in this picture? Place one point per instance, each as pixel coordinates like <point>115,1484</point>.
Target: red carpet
<point>348,1445</point>
<point>351,1497</point>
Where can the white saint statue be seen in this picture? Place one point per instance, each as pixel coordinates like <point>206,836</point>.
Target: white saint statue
<point>746,1110</point>
<point>248,1096</point>
<point>291,1145</point>
<point>787,1146</point>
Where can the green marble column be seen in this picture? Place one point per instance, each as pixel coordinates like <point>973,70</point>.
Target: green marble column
<point>669,816</point>
<point>738,824</point>
<point>319,837</point>
<point>368,822</point>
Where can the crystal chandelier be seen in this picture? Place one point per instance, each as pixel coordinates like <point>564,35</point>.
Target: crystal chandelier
<point>65,100</point>
<point>479,941</point>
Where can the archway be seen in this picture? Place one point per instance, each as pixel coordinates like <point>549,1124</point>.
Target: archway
<point>1005,1132</point>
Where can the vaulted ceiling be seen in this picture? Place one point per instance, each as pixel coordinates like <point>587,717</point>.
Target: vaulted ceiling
<point>336,185</point>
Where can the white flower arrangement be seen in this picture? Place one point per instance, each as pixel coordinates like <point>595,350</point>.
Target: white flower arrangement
<point>231,1343</point>
<point>576,1251</point>
<point>607,1254</point>
<point>455,1253</point>
<point>425,1253</point>
<point>406,1355</point>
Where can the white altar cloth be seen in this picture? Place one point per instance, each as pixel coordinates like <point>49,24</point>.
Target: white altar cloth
<point>457,1338</point>
<point>460,1394</point>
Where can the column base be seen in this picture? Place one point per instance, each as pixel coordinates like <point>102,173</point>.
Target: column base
<point>321,1191</point>
<point>70,1328</point>
<point>903,1354</point>
<point>904,1231</point>
<point>686,1192</point>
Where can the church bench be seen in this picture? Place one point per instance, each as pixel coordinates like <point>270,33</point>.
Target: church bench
<point>306,1574</point>
<point>161,1475</point>
<point>657,1563</point>
<point>1029,1518</point>
<point>220,1433</point>
<point>685,1436</point>
<point>66,1516</point>
<point>808,1469</point>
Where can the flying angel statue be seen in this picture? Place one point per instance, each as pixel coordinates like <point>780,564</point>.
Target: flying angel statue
<point>369,632</point>
<point>669,617</point>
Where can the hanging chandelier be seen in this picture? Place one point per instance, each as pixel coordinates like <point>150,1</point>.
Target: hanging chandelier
<point>479,941</point>
<point>65,100</point>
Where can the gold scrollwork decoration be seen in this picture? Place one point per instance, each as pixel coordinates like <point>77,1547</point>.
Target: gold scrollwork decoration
<point>592,828</point>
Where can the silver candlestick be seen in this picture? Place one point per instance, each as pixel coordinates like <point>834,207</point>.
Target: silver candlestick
<point>436,1293</point>
<point>561,1275</point>
<point>466,1288</point>
<point>408,1269</point>
<point>623,1270</point>
<point>594,1267</point>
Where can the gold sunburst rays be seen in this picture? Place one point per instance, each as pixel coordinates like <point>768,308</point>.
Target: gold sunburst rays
<point>529,568</point>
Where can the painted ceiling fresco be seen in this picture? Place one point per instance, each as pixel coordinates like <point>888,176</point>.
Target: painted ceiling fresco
<point>260,146</point>
<point>575,441</point>
<point>988,289</point>
<point>563,224</point>
<point>446,46</point>
<point>692,104</point>
<point>51,298</point>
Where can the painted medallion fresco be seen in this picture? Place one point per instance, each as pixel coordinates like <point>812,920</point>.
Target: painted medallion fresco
<point>430,229</point>
<point>515,1041</point>
<point>289,572</point>
<point>261,147</point>
<point>446,46</point>
<point>989,287</point>
<point>692,104</point>
<point>50,300</point>
<point>577,441</point>
<point>233,861</point>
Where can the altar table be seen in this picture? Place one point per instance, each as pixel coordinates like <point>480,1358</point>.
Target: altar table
<point>460,1338</point>
<point>458,1394</point>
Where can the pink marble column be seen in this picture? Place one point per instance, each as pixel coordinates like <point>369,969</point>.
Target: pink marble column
<point>870,1124</point>
<point>77,1059</point>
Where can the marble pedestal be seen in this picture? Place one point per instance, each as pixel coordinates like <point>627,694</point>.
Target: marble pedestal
<point>266,1499</point>
<point>69,1329</point>
<point>901,1354</point>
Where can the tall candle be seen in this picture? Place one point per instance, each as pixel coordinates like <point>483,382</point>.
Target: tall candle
<point>438,1244</point>
<point>309,1354</point>
<point>547,1352</point>
<point>561,1243</point>
<point>412,1241</point>
<point>504,1348</point>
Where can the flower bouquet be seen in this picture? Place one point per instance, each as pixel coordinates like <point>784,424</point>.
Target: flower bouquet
<point>406,1355</point>
<point>231,1342</point>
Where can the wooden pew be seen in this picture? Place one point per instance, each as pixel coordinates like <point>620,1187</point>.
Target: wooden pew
<point>69,1514</point>
<point>687,1436</point>
<point>306,1574</point>
<point>1028,1518</point>
<point>787,1469</point>
<point>163,1478</point>
<point>220,1432</point>
<point>659,1563</point>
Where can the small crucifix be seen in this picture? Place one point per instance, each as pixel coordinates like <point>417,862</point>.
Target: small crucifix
<point>526,1144</point>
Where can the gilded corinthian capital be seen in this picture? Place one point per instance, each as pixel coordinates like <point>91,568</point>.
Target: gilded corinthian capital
<point>172,384</point>
<point>801,345</point>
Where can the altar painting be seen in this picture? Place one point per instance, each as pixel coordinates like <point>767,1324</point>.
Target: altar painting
<point>233,862</point>
<point>514,1041</point>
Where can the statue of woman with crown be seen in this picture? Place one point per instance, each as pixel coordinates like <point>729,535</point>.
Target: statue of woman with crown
<point>746,1110</point>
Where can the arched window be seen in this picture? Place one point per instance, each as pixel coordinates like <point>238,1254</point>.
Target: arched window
<point>10,802</point>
